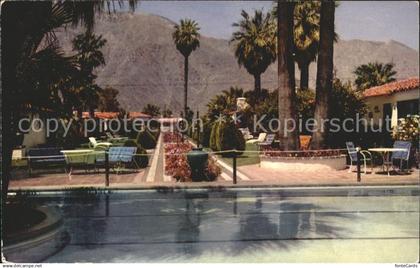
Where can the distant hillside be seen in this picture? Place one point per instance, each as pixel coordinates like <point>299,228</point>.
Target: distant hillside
<point>144,65</point>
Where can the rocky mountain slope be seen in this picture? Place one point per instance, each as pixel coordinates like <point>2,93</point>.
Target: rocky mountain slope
<point>144,65</point>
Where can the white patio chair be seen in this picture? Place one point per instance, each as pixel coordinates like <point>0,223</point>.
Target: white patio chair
<point>260,138</point>
<point>94,143</point>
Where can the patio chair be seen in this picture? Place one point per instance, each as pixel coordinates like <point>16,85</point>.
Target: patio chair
<point>246,133</point>
<point>366,157</point>
<point>269,139</point>
<point>401,155</point>
<point>93,143</point>
<point>109,135</point>
<point>121,155</point>
<point>260,138</point>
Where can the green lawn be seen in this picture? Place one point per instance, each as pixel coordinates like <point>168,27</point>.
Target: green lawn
<point>251,158</point>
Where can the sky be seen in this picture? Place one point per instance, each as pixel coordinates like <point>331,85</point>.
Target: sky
<point>369,20</point>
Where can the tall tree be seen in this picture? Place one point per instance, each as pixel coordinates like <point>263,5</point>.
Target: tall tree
<point>289,140</point>
<point>324,76</point>
<point>187,39</point>
<point>255,44</point>
<point>151,109</point>
<point>89,56</point>
<point>108,101</point>
<point>373,74</point>
<point>24,26</point>
<point>306,37</point>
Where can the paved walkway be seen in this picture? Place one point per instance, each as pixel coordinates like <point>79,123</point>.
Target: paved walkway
<point>341,177</point>
<point>258,178</point>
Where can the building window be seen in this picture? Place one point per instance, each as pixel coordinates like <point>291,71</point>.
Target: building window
<point>409,107</point>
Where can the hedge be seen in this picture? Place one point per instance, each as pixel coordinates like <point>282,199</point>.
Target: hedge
<point>146,140</point>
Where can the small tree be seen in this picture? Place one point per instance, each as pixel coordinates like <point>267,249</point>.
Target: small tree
<point>146,140</point>
<point>226,136</point>
<point>151,109</point>
<point>108,101</point>
<point>374,74</point>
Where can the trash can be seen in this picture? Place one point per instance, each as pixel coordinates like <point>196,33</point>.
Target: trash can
<point>197,159</point>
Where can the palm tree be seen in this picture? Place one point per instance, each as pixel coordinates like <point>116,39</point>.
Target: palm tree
<point>286,76</point>
<point>306,37</point>
<point>224,103</point>
<point>89,56</point>
<point>324,76</point>
<point>152,110</point>
<point>255,44</point>
<point>374,74</point>
<point>25,27</point>
<point>187,39</point>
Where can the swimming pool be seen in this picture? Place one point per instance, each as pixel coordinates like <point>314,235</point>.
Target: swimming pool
<point>240,225</point>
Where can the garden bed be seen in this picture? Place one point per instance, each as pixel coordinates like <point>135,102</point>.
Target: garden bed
<point>176,164</point>
<point>311,160</point>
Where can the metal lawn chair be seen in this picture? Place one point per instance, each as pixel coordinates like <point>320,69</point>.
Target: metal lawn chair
<point>401,156</point>
<point>366,157</point>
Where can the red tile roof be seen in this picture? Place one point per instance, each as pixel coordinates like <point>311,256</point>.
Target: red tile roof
<point>111,115</point>
<point>138,115</point>
<point>393,87</point>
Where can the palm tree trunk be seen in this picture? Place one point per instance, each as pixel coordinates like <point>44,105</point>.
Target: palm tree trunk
<point>288,134</point>
<point>324,74</point>
<point>304,75</point>
<point>186,87</point>
<point>257,84</point>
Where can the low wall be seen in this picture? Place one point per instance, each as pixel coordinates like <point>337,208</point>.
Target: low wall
<point>38,242</point>
<point>299,164</point>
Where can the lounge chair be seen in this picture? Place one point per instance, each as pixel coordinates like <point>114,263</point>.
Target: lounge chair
<point>260,138</point>
<point>269,139</point>
<point>366,157</point>
<point>401,155</point>
<point>94,144</point>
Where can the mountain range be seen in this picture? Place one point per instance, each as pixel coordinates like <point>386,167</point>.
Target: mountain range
<point>143,64</point>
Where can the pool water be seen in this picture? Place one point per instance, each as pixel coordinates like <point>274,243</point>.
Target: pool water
<point>238,226</point>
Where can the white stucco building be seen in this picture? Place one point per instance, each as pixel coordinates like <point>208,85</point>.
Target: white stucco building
<point>394,100</point>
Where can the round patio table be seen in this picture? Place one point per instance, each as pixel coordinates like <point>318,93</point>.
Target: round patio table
<point>385,153</point>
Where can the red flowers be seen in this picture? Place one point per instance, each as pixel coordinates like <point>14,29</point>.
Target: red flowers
<point>176,164</point>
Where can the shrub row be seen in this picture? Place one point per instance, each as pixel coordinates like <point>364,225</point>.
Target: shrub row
<point>146,139</point>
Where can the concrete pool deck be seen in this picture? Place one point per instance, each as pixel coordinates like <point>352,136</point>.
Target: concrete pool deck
<point>256,177</point>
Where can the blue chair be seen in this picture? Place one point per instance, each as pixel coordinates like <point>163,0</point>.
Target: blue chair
<point>401,155</point>
<point>121,155</point>
<point>366,157</point>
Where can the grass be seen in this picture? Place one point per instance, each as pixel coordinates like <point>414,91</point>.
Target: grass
<point>245,159</point>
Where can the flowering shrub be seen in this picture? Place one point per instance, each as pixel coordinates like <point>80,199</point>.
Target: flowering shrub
<point>213,170</point>
<point>273,152</point>
<point>407,129</point>
<point>176,163</point>
<point>172,137</point>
